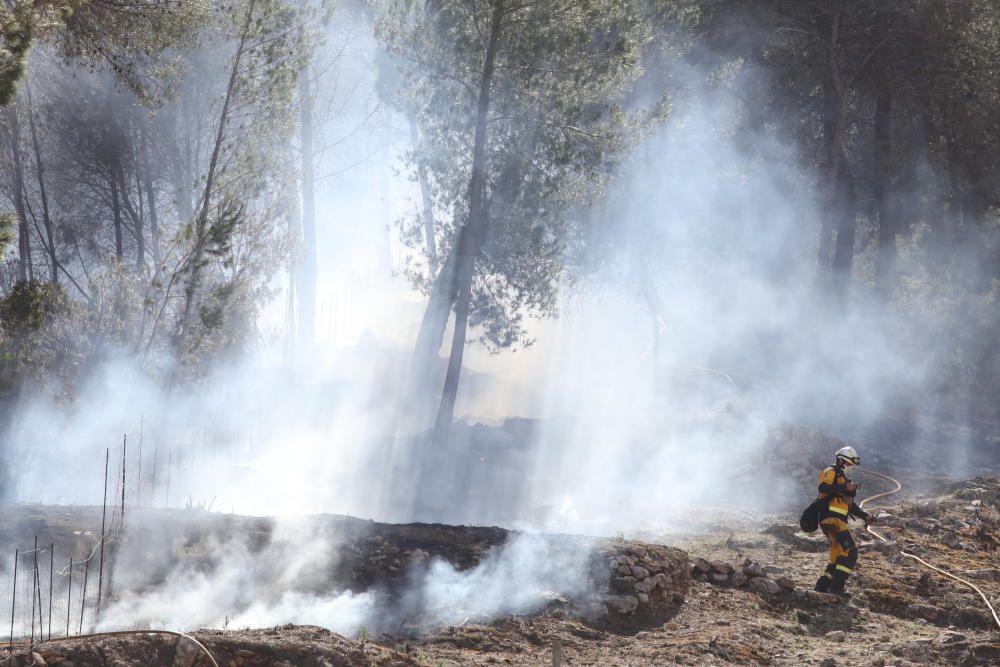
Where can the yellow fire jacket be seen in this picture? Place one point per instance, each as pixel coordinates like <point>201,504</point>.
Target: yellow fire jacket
<point>833,488</point>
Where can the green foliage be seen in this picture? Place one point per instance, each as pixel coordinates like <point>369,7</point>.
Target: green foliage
<point>556,129</point>
<point>29,305</point>
<point>8,223</point>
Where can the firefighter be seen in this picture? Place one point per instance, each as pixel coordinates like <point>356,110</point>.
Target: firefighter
<point>839,492</point>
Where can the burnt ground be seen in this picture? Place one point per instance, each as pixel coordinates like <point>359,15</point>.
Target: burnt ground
<point>900,614</point>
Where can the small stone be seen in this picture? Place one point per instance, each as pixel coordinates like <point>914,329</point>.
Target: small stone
<point>836,636</point>
<point>786,583</point>
<point>639,572</point>
<point>754,570</point>
<point>643,598</point>
<point>916,651</point>
<point>828,662</point>
<point>703,566</point>
<point>948,637</point>
<point>719,578</point>
<point>723,567</point>
<point>803,617</point>
<point>39,660</point>
<point>645,586</point>
<point>672,626</point>
<point>621,604</point>
<point>740,579</point>
<point>764,586</point>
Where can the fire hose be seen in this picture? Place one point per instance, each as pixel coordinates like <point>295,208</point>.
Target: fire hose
<point>121,633</point>
<point>913,556</point>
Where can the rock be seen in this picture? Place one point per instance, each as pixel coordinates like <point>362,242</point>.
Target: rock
<point>702,566</point>
<point>643,598</point>
<point>925,612</point>
<point>646,585</point>
<point>639,572</point>
<point>886,519</point>
<point>37,659</point>
<point>719,578</point>
<point>836,636</point>
<point>740,579</point>
<point>828,662</point>
<point>785,583</point>
<point>815,597</point>
<point>948,638</point>
<point>619,604</point>
<point>764,586</point>
<point>916,651</point>
<point>622,584</point>
<point>624,570</point>
<point>752,570</point>
<point>186,653</point>
<point>951,540</point>
<point>792,535</point>
<point>722,567</point>
<point>774,569</point>
<point>803,617</point>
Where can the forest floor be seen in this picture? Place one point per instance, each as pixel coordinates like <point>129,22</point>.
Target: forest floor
<point>899,614</point>
<point>750,599</point>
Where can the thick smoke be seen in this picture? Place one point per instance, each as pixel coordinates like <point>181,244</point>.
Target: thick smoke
<point>695,329</point>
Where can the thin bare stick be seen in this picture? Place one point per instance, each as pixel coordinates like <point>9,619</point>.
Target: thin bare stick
<point>34,582</point>
<point>13,601</point>
<point>69,594</point>
<point>83,598</point>
<point>138,474</point>
<point>104,512</point>
<point>121,519</point>
<point>52,571</point>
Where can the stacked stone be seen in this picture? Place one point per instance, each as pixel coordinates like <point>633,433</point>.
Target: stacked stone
<point>644,581</point>
<point>751,575</point>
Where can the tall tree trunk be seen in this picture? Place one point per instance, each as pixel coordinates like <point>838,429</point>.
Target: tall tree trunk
<point>306,280</point>
<point>43,193</point>
<point>470,241</point>
<point>17,183</point>
<point>138,224</point>
<point>147,185</point>
<point>846,213</point>
<point>834,100</point>
<point>194,263</point>
<point>425,197</point>
<point>116,211</point>
<point>885,262</point>
<point>444,292</point>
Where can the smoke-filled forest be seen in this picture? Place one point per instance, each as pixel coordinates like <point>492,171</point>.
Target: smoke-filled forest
<point>498,331</point>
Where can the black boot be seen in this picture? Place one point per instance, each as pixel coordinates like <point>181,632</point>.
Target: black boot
<point>823,584</point>
<point>837,583</point>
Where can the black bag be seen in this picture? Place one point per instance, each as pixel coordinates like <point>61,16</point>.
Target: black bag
<point>809,521</point>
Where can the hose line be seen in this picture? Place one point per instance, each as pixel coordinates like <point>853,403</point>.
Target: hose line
<point>899,486</point>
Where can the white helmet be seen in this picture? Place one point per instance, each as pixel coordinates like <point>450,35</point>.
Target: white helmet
<point>848,456</point>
